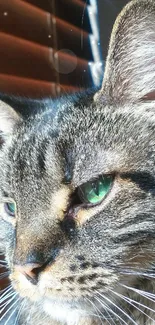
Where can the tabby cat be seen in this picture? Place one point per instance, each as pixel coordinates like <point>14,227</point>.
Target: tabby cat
<point>77,194</point>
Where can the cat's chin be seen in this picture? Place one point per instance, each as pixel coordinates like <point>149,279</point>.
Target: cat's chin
<point>62,308</point>
<point>65,311</point>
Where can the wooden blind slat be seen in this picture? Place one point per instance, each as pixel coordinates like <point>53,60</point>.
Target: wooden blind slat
<point>25,21</point>
<point>80,76</point>
<point>3,282</point>
<point>73,11</point>
<point>32,88</point>
<point>74,39</point>
<point>26,59</point>
<point>45,5</point>
<point>11,84</point>
<point>39,27</point>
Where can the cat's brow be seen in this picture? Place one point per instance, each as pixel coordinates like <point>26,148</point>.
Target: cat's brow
<point>144,180</point>
<point>5,194</point>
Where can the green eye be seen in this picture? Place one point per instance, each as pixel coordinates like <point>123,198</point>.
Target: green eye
<point>94,192</point>
<point>10,208</point>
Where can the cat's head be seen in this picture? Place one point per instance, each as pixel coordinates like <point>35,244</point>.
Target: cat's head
<point>77,206</point>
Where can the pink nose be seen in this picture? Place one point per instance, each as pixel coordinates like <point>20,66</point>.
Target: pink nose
<point>30,270</point>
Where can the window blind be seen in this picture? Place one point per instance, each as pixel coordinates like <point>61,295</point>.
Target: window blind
<point>45,47</point>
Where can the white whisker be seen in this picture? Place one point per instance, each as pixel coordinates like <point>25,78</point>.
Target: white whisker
<point>142,293</point>
<point>5,300</point>
<point>136,302</point>
<point>9,308</point>
<point>3,266</point>
<point>6,289</point>
<point>19,312</point>
<point>121,310</point>
<point>4,275</point>
<point>6,294</point>
<point>95,308</point>
<point>8,302</point>
<point>10,316</point>
<point>110,310</point>
<point>133,303</point>
<point>110,317</point>
<point>132,272</point>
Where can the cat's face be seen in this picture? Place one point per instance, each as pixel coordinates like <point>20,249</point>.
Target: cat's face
<point>84,242</point>
<point>81,188</point>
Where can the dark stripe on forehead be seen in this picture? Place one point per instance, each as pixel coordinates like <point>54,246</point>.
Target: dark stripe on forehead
<point>41,155</point>
<point>134,236</point>
<point>136,219</point>
<point>68,167</point>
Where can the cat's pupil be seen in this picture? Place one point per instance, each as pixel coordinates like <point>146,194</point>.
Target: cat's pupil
<point>94,192</point>
<point>96,189</point>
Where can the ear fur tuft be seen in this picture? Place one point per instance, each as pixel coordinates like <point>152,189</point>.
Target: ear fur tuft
<point>130,66</point>
<point>8,119</point>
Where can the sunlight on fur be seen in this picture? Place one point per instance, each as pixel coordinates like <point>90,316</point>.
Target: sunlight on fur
<point>77,194</point>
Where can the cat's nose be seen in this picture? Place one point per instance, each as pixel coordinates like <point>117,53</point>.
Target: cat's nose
<point>30,270</point>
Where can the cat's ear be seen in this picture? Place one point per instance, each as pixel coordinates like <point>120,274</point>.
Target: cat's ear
<point>130,66</point>
<point>8,120</point>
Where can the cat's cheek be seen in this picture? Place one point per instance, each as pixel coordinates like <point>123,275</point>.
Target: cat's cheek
<point>60,201</point>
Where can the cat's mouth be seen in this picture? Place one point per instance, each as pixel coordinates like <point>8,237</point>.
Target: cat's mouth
<point>48,287</point>
<point>58,282</point>
<point>51,286</point>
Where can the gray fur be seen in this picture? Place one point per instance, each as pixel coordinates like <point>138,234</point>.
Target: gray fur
<point>112,253</point>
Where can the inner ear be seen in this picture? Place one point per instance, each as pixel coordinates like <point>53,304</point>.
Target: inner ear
<point>149,96</point>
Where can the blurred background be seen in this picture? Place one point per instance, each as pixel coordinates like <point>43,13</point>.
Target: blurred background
<point>48,47</point>
<point>53,47</point>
